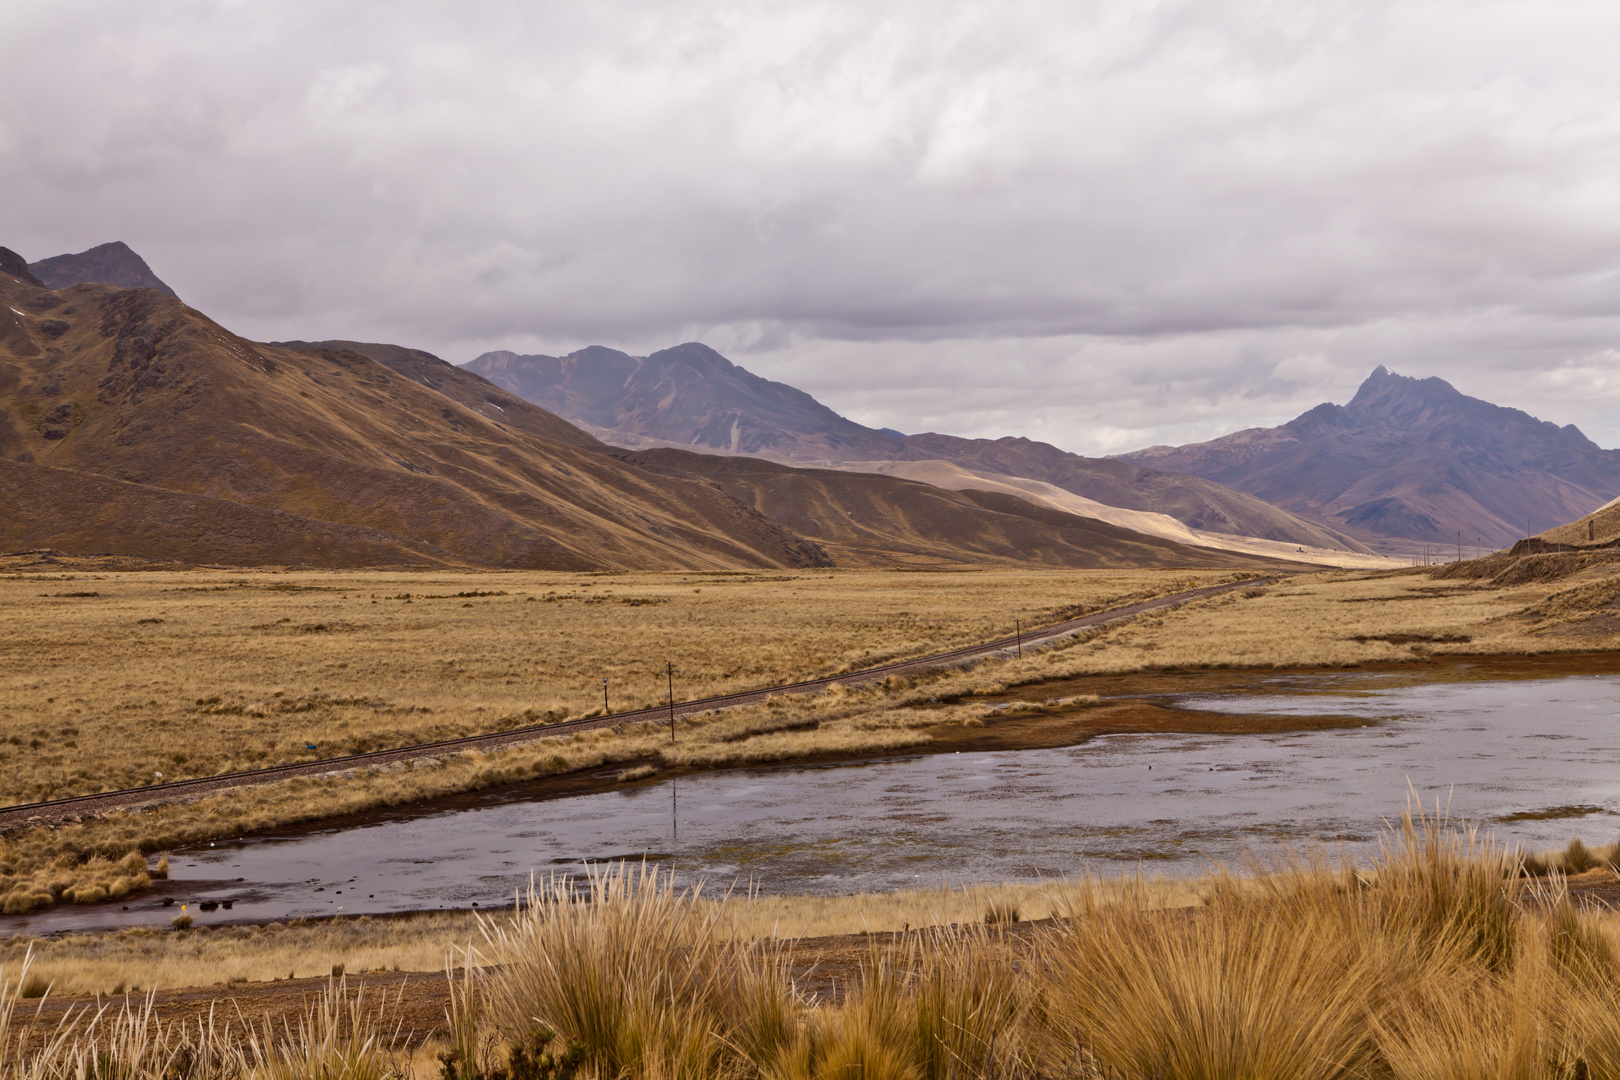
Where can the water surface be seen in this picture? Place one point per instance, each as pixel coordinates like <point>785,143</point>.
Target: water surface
<point>1172,803</point>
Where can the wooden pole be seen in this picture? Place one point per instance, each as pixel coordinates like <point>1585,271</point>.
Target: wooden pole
<point>669,669</point>
<point>1018,629</point>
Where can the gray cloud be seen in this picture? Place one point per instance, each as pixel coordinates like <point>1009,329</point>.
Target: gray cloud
<point>1104,224</point>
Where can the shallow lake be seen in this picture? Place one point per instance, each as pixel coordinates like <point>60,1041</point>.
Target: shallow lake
<point>1171,803</point>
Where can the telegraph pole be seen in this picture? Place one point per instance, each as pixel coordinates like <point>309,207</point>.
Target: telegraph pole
<point>1018,630</point>
<point>669,670</point>
<point>604,696</point>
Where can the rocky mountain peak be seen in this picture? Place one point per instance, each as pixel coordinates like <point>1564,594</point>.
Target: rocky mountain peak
<point>1415,459</point>
<point>115,263</point>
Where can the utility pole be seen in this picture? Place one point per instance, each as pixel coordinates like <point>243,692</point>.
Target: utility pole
<point>1018,630</point>
<point>669,669</point>
<point>604,696</point>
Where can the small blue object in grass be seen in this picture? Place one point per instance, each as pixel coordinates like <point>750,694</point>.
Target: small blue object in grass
<point>309,746</point>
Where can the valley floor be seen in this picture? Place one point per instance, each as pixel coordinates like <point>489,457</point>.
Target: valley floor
<point>92,648</point>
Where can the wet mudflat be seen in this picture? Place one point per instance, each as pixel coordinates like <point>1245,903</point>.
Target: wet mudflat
<point>1531,760</point>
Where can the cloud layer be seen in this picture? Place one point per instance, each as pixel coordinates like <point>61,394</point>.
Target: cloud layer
<point>1102,224</point>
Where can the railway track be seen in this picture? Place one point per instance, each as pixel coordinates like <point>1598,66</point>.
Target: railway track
<point>77,806</point>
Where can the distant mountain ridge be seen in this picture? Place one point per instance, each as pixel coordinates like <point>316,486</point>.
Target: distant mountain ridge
<point>1411,458</point>
<point>105,264</point>
<point>690,396</point>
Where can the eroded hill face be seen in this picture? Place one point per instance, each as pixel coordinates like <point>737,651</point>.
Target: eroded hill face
<point>691,396</point>
<point>1413,459</point>
<point>145,400</point>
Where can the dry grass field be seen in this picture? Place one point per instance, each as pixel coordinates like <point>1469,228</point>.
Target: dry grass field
<point>109,679</point>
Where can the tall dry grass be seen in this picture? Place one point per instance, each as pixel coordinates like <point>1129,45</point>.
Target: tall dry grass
<point>340,1036</point>
<point>1428,963</point>
<point>643,981</point>
<point>233,956</point>
<point>1432,962</point>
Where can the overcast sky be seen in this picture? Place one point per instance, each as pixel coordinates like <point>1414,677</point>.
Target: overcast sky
<point>1101,224</point>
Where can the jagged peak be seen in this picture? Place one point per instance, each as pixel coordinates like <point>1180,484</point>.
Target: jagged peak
<point>1384,389</point>
<point>112,263</point>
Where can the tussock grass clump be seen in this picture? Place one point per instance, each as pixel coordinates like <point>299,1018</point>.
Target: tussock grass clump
<point>944,1005</point>
<point>1576,858</point>
<point>1220,992</point>
<point>638,977</point>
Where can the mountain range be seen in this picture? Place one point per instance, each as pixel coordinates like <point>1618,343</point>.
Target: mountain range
<point>1408,462</point>
<point>861,518</point>
<point>691,397</point>
<point>133,424</point>
<point>1412,458</point>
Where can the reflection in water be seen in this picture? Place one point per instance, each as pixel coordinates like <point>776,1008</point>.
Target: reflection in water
<point>1172,802</point>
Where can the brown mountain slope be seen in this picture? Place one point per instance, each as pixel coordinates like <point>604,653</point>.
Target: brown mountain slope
<point>461,385</point>
<point>692,396</point>
<point>132,385</point>
<point>1413,459</point>
<point>864,519</point>
<point>89,514</point>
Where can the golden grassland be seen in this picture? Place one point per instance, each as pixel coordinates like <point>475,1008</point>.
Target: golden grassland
<point>1327,619</point>
<point>1436,960</point>
<point>109,679</point>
